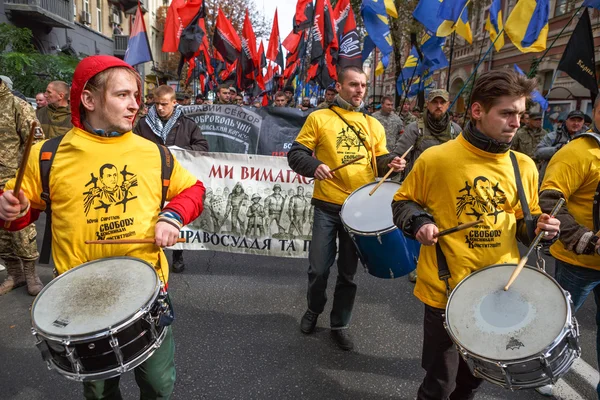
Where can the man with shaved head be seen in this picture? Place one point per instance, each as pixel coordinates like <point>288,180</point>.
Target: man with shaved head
<point>55,118</point>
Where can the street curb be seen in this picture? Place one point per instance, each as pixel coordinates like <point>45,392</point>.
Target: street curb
<point>582,378</point>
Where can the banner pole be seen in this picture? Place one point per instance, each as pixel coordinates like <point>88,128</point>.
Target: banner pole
<point>450,61</point>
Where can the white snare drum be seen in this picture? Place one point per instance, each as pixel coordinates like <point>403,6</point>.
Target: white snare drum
<point>100,319</point>
<point>522,338</point>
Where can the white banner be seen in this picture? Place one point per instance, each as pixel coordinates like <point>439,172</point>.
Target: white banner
<point>254,204</point>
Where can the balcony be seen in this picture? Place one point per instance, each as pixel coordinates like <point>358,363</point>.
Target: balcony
<point>121,42</point>
<point>53,13</point>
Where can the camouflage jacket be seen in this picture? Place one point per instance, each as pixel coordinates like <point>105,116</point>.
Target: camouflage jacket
<point>55,121</point>
<point>393,128</point>
<point>527,139</point>
<point>16,117</point>
<point>408,118</point>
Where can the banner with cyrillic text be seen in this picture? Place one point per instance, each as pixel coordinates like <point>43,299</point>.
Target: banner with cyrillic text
<point>254,204</point>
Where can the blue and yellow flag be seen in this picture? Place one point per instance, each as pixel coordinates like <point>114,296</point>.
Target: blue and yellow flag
<point>527,25</point>
<point>434,58</point>
<point>442,17</point>
<point>375,19</point>
<point>494,25</point>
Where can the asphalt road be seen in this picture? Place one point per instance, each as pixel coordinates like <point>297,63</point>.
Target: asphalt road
<point>237,337</point>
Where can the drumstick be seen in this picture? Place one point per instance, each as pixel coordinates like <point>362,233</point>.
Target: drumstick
<point>126,241</point>
<point>536,241</point>
<point>23,164</point>
<point>457,228</point>
<point>388,173</point>
<point>344,165</point>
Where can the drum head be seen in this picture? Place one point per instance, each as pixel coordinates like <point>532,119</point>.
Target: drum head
<point>364,213</point>
<point>506,325</point>
<point>94,297</point>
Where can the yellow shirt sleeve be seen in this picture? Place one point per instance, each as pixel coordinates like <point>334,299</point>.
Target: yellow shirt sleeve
<point>412,187</point>
<point>308,134</point>
<point>32,183</point>
<point>181,179</point>
<point>562,176</point>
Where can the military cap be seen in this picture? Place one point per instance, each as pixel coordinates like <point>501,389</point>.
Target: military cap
<point>438,93</point>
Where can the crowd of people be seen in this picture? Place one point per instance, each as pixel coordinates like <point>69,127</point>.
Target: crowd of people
<point>100,126</point>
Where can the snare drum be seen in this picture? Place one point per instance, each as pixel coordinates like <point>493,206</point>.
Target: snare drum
<point>100,319</point>
<point>382,247</point>
<point>522,338</point>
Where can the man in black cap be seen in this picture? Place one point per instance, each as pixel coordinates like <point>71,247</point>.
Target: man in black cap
<point>554,140</point>
<point>528,137</point>
<point>289,95</point>
<point>199,99</point>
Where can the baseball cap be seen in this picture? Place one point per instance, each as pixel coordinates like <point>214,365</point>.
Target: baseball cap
<point>438,93</point>
<point>576,114</point>
<point>7,81</point>
<point>535,116</point>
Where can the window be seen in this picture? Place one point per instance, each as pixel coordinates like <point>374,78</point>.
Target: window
<point>99,15</point>
<point>74,10</point>
<point>86,6</point>
<point>562,7</point>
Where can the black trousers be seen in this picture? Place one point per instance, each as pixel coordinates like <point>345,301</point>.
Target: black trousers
<point>448,375</point>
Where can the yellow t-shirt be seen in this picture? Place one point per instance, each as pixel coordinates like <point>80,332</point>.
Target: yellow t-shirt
<point>103,188</point>
<point>458,183</point>
<point>575,172</point>
<point>334,143</point>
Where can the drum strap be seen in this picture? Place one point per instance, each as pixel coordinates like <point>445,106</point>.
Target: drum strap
<point>443,270</point>
<point>529,222</point>
<point>47,154</point>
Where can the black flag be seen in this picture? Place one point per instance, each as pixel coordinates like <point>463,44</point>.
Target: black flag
<point>578,60</point>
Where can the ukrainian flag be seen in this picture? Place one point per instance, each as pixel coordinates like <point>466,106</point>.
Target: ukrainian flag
<point>444,17</point>
<point>494,25</point>
<point>375,19</point>
<point>527,25</point>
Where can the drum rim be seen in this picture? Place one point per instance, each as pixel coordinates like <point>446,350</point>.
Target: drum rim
<point>117,327</point>
<point>366,233</point>
<point>552,345</point>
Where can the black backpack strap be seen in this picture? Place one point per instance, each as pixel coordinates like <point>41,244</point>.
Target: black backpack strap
<point>523,198</point>
<point>47,154</point>
<point>166,161</point>
<point>443,269</point>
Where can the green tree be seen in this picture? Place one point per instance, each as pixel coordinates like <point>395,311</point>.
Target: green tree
<point>30,70</point>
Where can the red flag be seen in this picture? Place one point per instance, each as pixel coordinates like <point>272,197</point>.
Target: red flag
<point>304,15</point>
<point>273,49</point>
<point>262,60</point>
<point>340,14</point>
<point>225,40</point>
<point>179,15</point>
<point>292,41</point>
<point>249,58</point>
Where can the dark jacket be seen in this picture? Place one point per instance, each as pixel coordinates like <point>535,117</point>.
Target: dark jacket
<point>185,134</point>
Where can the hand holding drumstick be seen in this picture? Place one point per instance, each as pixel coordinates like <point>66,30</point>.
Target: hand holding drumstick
<point>428,234</point>
<point>324,172</point>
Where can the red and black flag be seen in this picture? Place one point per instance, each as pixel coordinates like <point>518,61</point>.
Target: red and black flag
<point>303,19</point>
<point>225,39</point>
<point>340,14</point>
<point>578,60</point>
<point>274,42</point>
<point>249,56</point>
<point>324,52</point>
<point>179,15</point>
<point>349,52</point>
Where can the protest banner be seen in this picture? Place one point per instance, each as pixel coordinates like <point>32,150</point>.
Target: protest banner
<point>254,204</point>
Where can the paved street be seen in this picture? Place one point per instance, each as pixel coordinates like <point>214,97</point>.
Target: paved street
<point>237,337</point>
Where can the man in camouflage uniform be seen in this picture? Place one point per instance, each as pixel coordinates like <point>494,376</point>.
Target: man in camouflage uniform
<point>55,118</point>
<point>18,250</point>
<point>528,137</point>
<point>434,127</point>
<point>404,112</point>
<point>391,122</point>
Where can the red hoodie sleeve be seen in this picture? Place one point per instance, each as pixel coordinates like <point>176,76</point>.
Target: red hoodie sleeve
<point>188,203</point>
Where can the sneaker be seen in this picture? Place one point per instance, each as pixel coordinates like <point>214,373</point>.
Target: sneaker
<point>412,276</point>
<point>2,268</point>
<point>545,390</point>
<point>308,322</point>
<point>343,339</point>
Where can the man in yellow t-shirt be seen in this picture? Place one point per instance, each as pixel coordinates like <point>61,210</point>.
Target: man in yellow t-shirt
<point>335,136</point>
<point>107,183</point>
<point>460,181</point>
<point>574,174</point>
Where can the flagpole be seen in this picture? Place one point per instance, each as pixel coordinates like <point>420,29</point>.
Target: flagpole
<point>539,60</point>
<point>474,78</point>
<point>450,61</point>
<point>475,70</point>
